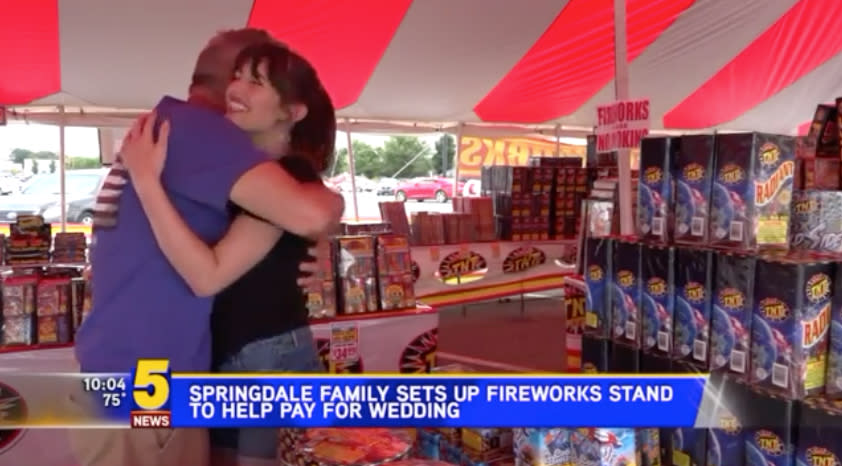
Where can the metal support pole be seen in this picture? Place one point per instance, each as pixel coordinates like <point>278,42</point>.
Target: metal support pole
<point>61,169</point>
<point>621,90</point>
<point>557,140</point>
<point>352,171</point>
<point>456,154</point>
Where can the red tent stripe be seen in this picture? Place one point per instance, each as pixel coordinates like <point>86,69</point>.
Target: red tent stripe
<point>343,39</point>
<point>29,54</point>
<point>574,59</point>
<point>801,40</point>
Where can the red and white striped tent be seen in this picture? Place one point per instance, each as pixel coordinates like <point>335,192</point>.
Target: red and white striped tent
<point>729,64</point>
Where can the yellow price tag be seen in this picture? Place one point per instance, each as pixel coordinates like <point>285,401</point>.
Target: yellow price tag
<point>151,389</point>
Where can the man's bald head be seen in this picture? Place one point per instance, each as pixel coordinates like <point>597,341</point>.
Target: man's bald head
<point>215,64</point>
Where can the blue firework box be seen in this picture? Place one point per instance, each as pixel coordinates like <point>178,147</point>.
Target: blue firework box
<point>790,326</point>
<point>688,446</point>
<point>692,172</point>
<point>726,441</point>
<point>598,285</point>
<point>657,297</point>
<point>833,383</point>
<point>767,447</point>
<point>725,447</point>
<point>819,437</point>
<point>654,190</point>
<point>625,294</point>
<point>693,301</point>
<point>731,316</point>
<point>751,193</point>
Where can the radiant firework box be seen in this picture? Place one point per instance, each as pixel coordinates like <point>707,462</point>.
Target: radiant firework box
<point>824,131</point>
<point>692,172</point>
<point>730,333</point>
<point>694,270</point>
<point>817,222</point>
<point>598,280</point>
<point>833,383</point>
<point>770,431</point>
<point>820,435</point>
<point>752,191</point>
<point>789,330</point>
<point>542,447</point>
<point>625,296</point>
<point>654,191</point>
<point>657,297</point>
<point>596,354</point>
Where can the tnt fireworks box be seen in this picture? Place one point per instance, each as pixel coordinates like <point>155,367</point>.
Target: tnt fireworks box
<point>833,383</point>
<point>598,266</point>
<point>770,430</point>
<point>654,191</point>
<point>731,315</point>
<point>624,358</point>
<point>824,131</point>
<point>694,270</point>
<point>596,354</point>
<point>817,222</point>
<point>357,272</point>
<point>625,295</point>
<point>752,191</point>
<point>542,447</point>
<point>789,330</point>
<point>692,173</point>
<point>657,298</point>
<point>819,435</point>
<point>726,439</point>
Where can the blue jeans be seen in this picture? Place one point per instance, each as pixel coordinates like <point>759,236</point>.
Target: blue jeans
<point>293,351</point>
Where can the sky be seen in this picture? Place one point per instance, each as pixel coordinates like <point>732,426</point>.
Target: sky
<point>84,142</point>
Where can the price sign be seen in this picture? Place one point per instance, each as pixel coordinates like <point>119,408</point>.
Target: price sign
<point>344,342</point>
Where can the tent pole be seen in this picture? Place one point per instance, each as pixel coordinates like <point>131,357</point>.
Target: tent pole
<point>456,160</point>
<point>352,170</point>
<point>621,90</point>
<point>61,169</point>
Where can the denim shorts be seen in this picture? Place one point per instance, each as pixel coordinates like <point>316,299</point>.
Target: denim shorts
<point>293,351</point>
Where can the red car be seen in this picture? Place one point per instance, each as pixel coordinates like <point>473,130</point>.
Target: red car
<point>440,189</point>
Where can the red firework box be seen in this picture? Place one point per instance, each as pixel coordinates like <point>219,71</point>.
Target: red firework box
<point>823,136</point>
<point>752,191</point>
<point>790,326</point>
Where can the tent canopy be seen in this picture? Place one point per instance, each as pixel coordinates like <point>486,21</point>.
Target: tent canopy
<point>425,65</point>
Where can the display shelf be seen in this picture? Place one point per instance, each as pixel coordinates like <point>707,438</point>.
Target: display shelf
<point>24,348</point>
<point>38,265</point>
<point>419,309</point>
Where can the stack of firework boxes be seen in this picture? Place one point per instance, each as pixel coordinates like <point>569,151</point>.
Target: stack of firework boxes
<point>733,271</point>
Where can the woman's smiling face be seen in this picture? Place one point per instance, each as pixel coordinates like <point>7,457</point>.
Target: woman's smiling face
<point>251,101</point>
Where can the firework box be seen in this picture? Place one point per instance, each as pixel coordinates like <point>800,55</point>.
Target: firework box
<point>598,283</point>
<point>655,363</point>
<point>625,295</point>
<point>604,447</point>
<point>817,221</point>
<point>596,354</point>
<point>648,446</point>
<point>833,384</point>
<point>693,302</point>
<point>542,447</point>
<point>685,446</point>
<point>820,173</point>
<point>819,437</point>
<point>824,131</point>
<point>789,330</point>
<point>693,175</point>
<point>654,191</point>
<point>771,431</point>
<point>657,297</point>
<point>752,191</point>
<point>730,335</point>
<point>625,358</point>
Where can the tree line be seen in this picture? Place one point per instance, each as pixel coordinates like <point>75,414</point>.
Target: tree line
<point>19,156</point>
<point>399,157</point>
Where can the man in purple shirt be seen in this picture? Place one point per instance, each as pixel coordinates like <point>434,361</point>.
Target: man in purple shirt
<point>142,308</point>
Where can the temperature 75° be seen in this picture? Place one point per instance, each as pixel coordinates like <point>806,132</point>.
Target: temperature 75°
<point>111,400</point>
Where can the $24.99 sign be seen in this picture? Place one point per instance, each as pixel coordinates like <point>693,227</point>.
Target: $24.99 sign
<point>344,342</point>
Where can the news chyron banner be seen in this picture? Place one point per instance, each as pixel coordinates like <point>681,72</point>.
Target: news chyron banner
<point>477,152</point>
<point>153,397</point>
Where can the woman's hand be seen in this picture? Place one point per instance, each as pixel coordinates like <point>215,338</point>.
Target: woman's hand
<point>313,270</point>
<point>141,154</point>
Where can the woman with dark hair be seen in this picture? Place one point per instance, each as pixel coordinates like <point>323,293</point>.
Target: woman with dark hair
<point>259,321</point>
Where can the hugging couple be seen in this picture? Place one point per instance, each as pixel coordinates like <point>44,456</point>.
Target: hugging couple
<point>204,240</point>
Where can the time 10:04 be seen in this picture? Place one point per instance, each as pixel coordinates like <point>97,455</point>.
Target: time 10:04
<point>103,384</point>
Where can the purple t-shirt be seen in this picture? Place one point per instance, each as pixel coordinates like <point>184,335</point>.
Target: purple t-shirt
<point>142,308</point>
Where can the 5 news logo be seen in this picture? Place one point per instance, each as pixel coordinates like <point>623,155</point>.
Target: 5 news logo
<point>151,394</point>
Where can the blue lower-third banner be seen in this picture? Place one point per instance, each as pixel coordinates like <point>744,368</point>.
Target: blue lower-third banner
<point>422,401</point>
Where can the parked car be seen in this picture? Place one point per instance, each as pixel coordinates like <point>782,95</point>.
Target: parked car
<point>386,186</point>
<point>9,185</point>
<point>42,196</point>
<point>422,189</point>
